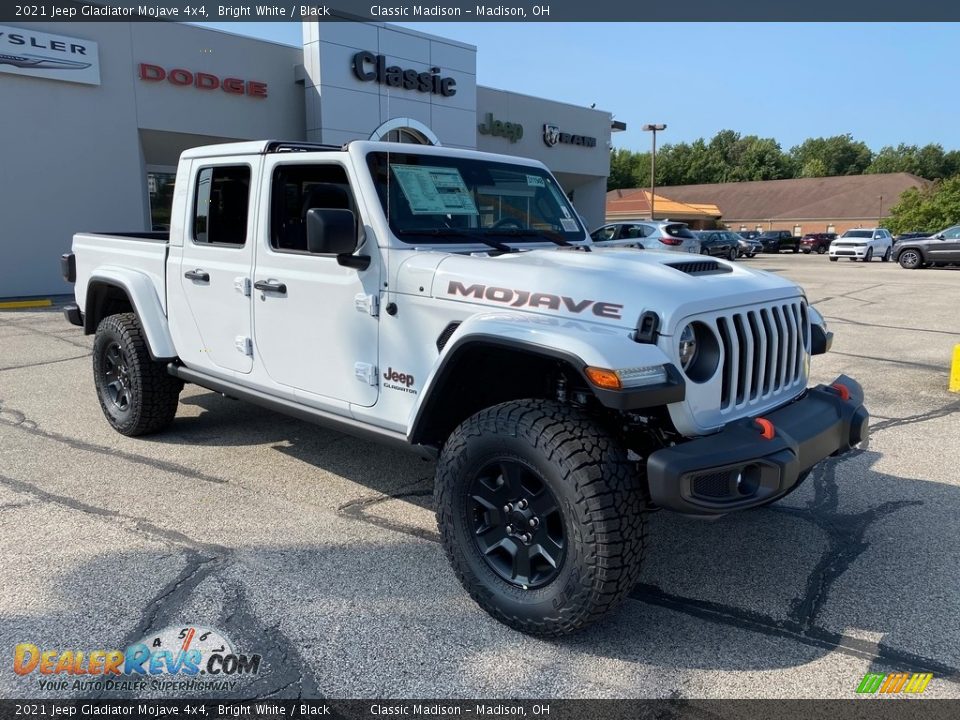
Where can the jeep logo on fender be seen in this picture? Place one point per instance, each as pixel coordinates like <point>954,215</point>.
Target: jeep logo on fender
<point>525,298</point>
<point>398,381</point>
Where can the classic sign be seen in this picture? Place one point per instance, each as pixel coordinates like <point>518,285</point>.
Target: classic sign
<point>373,68</point>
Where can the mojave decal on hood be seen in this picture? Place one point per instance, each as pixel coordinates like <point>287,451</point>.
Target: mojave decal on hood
<point>606,286</point>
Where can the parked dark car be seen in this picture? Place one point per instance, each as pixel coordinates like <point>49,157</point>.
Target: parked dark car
<point>774,241</point>
<point>817,242</point>
<point>911,236</point>
<point>941,248</point>
<point>748,248</point>
<point>719,243</point>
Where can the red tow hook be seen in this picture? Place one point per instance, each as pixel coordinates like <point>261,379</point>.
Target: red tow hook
<point>767,431</point>
<point>842,390</point>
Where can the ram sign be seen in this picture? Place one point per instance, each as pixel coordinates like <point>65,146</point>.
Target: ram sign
<point>54,57</point>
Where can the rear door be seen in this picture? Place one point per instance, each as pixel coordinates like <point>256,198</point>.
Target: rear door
<point>315,320</point>
<point>216,262</point>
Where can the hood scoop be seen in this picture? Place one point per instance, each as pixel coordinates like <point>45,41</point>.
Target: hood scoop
<point>700,267</point>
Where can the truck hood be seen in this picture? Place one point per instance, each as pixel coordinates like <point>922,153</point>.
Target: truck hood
<point>612,287</point>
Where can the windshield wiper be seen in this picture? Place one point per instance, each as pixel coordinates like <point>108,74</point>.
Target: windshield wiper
<point>553,237</point>
<point>457,232</point>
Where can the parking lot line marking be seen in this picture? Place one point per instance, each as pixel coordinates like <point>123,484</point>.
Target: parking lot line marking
<point>955,370</point>
<point>21,304</point>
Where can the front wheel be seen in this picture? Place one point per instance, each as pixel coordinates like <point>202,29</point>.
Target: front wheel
<point>704,251</point>
<point>886,255</point>
<point>541,515</point>
<point>869,256</point>
<point>910,259</point>
<point>821,250</point>
<point>796,249</point>
<point>833,259</point>
<point>732,255</point>
<point>136,393</point>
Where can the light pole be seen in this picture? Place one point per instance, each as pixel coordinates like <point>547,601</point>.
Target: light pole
<point>880,212</point>
<point>653,128</point>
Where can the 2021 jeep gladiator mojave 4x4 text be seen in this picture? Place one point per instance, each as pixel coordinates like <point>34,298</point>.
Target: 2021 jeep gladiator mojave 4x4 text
<point>417,295</point>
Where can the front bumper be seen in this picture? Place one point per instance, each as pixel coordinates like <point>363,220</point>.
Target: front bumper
<point>741,467</point>
<point>854,252</point>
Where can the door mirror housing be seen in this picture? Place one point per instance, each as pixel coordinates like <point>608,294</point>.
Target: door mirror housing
<point>331,231</point>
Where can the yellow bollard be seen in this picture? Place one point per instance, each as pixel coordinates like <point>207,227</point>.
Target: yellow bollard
<point>955,370</point>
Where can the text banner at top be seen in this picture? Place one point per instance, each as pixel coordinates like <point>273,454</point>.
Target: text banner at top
<point>470,10</point>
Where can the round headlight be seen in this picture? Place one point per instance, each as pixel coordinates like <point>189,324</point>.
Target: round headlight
<point>699,352</point>
<point>688,347</point>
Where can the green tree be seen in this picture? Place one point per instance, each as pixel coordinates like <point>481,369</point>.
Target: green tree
<point>628,169</point>
<point>838,155</point>
<point>929,161</point>
<point>931,208</point>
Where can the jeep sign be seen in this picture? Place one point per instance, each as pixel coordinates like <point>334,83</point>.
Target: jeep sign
<point>501,128</point>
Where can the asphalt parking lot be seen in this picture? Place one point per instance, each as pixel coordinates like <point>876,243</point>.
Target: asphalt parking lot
<point>320,551</point>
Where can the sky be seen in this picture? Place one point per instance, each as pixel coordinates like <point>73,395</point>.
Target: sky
<point>884,83</point>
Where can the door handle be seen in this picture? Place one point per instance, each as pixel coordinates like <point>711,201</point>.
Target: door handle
<point>270,286</point>
<point>197,274</point>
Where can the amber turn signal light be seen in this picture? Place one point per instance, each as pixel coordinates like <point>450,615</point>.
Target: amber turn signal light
<point>603,378</point>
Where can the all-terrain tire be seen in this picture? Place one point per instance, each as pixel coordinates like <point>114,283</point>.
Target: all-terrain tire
<point>136,393</point>
<point>598,495</point>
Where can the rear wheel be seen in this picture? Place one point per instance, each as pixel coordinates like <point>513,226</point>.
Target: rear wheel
<point>910,259</point>
<point>796,249</point>
<point>136,394</point>
<point>541,516</point>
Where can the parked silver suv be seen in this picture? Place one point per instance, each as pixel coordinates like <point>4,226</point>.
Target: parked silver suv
<point>647,234</point>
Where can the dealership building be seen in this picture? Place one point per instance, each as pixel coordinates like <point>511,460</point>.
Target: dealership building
<point>96,115</point>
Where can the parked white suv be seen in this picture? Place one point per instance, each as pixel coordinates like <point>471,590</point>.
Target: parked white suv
<point>416,296</point>
<point>863,244</point>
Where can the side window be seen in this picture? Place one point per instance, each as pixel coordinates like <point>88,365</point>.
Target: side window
<point>298,189</point>
<point>632,232</point>
<point>221,205</point>
<point>952,233</point>
<point>605,233</point>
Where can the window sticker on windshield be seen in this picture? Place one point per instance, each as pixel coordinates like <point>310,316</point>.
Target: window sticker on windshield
<point>535,181</point>
<point>569,224</point>
<point>434,190</point>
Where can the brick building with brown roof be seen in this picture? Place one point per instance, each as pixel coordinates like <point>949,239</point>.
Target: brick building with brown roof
<point>801,205</point>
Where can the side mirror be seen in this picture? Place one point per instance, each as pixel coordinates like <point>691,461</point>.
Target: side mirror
<point>939,236</point>
<point>331,231</point>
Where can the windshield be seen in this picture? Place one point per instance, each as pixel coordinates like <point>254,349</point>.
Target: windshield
<point>442,199</point>
<point>858,234</point>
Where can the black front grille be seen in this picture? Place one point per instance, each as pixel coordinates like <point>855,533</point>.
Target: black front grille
<point>712,485</point>
<point>700,267</point>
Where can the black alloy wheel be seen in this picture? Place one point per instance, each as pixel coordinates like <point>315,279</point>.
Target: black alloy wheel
<point>517,523</point>
<point>821,250</point>
<point>116,377</point>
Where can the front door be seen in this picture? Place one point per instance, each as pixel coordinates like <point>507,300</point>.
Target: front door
<point>216,263</point>
<point>315,319</point>
<point>948,249</point>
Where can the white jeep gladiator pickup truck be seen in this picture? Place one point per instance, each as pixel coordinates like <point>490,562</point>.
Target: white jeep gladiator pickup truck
<point>449,301</point>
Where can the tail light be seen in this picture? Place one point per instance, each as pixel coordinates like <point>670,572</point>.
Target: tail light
<point>671,241</point>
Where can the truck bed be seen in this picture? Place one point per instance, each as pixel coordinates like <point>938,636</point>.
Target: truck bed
<point>144,252</point>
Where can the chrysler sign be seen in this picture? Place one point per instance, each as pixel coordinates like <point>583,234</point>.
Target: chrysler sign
<point>54,57</point>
